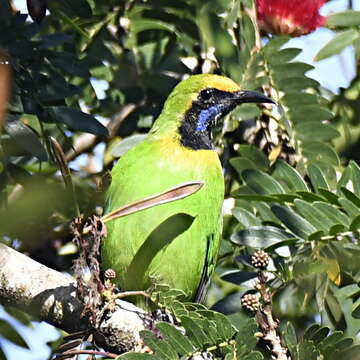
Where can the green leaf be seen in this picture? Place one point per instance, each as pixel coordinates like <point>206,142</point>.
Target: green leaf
<point>337,44</point>
<point>290,338</point>
<point>244,112</point>
<point>297,83</point>
<point>283,56</point>
<point>316,150</point>
<point>355,224</point>
<point>70,64</point>
<point>284,173</point>
<point>320,335</point>
<point>238,276</point>
<point>310,196</point>
<point>241,163</point>
<point>306,115</point>
<point>245,217</point>
<point>255,155</point>
<point>254,355</point>
<point>265,212</point>
<point>271,48</point>
<point>313,215</point>
<point>344,179</point>
<point>329,196</point>
<point>9,333</point>
<point>356,311</point>
<point>352,353</point>
<point>52,40</point>
<point>351,196</point>
<point>329,342</point>
<point>26,138</point>
<point>310,331</point>
<point>135,356</point>
<point>175,338</point>
<point>334,310</point>
<point>317,177</point>
<point>307,351</point>
<point>140,25</point>
<point>245,339</point>
<point>294,222</point>
<point>295,99</point>
<point>224,329</point>
<point>274,247</point>
<point>331,213</point>
<point>77,120</point>
<point>194,332</point>
<point>355,177</point>
<point>349,207</point>
<point>312,132</point>
<point>260,236</point>
<point>344,344</point>
<point>160,347</point>
<point>19,315</point>
<point>238,195</point>
<point>290,70</point>
<point>345,18</point>
<point>261,182</point>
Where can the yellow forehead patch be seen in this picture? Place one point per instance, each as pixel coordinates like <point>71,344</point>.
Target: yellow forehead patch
<point>220,82</point>
<point>196,83</point>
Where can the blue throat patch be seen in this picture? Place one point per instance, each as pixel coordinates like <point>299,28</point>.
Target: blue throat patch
<point>207,115</point>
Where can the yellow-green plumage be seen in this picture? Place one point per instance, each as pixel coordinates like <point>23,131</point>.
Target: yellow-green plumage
<point>175,243</point>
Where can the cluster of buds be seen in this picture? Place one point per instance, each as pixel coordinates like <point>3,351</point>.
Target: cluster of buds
<point>110,274</point>
<point>260,259</point>
<point>250,302</point>
<point>289,17</point>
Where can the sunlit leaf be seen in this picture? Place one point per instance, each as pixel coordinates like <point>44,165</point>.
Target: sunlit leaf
<point>337,44</point>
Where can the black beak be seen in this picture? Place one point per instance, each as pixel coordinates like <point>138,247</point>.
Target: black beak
<point>244,96</point>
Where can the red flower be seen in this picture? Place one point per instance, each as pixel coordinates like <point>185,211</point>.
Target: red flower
<point>289,17</point>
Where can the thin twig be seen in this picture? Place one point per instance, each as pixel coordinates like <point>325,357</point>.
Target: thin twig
<point>124,294</point>
<point>91,352</point>
<point>65,171</point>
<point>267,322</point>
<point>84,143</point>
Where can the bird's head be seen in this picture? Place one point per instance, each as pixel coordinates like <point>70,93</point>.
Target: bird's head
<point>198,102</point>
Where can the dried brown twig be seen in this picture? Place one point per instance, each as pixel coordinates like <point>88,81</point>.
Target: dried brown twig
<point>90,292</point>
<point>71,353</point>
<point>262,306</point>
<point>266,320</point>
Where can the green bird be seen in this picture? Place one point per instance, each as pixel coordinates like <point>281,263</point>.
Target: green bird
<point>176,243</point>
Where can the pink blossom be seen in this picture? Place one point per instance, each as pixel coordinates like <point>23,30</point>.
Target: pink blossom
<point>289,17</point>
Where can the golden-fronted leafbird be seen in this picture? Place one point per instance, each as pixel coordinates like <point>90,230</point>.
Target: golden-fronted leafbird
<point>176,243</point>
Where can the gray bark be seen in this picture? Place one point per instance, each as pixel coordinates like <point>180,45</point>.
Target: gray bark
<point>50,295</point>
<point>39,290</point>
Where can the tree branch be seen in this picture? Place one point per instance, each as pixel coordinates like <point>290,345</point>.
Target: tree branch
<point>39,290</point>
<point>86,142</point>
<point>50,295</point>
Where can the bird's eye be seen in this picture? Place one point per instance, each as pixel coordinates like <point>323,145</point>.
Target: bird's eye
<point>206,94</point>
